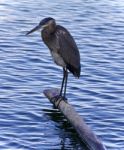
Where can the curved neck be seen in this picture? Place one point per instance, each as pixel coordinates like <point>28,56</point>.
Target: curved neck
<point>50,28</point>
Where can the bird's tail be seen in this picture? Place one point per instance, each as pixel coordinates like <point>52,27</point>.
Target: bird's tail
<point>75,71</point>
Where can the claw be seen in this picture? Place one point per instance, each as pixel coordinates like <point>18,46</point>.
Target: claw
<point>58,99</point>
<point>64,98</point>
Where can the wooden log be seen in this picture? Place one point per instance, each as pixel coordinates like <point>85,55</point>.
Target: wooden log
<point>86,134</point>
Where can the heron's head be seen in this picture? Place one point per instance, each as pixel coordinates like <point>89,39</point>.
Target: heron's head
<point>45,23</point>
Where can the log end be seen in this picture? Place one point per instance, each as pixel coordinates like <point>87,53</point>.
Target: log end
<point>50,93</point>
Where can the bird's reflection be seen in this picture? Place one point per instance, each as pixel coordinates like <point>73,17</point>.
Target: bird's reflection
<point>68,135</point>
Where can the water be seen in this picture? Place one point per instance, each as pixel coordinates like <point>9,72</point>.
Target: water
<point>27,119</point>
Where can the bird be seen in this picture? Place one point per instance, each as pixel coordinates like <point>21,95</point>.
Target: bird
<point>63,49</point>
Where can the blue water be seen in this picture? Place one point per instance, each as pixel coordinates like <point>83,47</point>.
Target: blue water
<point>27,119</point>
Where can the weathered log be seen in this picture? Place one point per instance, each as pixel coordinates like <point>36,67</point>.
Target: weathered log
<point>86,134</point>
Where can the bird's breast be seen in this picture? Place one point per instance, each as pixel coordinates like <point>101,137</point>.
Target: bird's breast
<point>58,59</point>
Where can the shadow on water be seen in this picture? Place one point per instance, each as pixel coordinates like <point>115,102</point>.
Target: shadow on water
<point>66,131</point>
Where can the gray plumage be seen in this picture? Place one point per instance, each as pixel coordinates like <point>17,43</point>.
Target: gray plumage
<point>62,42</point>
<point>62,46</point>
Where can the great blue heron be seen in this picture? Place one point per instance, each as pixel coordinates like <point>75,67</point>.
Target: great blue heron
<point>62,47</point>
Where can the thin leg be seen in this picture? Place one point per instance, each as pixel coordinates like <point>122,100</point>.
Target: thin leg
<point>63,80</point>
<point>66,78</point>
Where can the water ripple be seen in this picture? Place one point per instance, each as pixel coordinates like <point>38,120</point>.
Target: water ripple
<point>27,119</point>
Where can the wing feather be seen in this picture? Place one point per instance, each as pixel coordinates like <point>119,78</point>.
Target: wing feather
<point>68,50</point>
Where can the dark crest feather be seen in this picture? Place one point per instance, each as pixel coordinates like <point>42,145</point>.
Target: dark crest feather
<point>46,20</point>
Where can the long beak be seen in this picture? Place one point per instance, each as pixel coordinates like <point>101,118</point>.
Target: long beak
<point>33,30</point>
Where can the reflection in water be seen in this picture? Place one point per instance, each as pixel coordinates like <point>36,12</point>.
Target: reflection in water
<point>66,131</point>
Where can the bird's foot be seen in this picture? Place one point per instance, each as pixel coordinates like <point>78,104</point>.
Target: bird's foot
<point>57,99</point>
<point>64,98</point>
